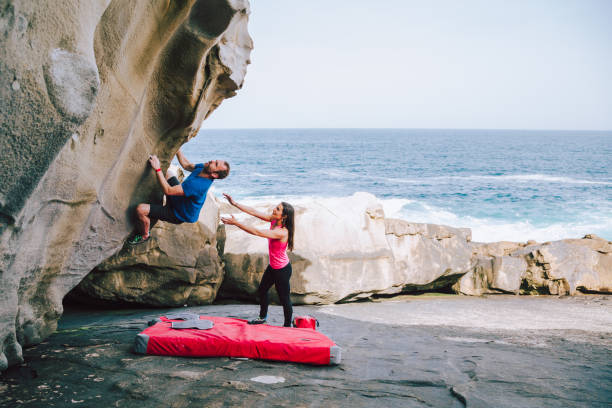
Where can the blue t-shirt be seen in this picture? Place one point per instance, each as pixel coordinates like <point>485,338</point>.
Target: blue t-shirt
<point>187,208</point>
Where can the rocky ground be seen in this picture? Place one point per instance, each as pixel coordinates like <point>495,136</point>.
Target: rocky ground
<point>436,351</point>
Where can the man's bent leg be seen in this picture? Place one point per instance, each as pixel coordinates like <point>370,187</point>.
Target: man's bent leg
<point>143,222</point>
<point>173,181</point>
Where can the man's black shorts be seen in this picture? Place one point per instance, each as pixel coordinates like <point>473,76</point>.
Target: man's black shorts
<point>165,212</point>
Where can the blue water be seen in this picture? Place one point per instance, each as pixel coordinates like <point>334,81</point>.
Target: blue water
<point>505,185</point>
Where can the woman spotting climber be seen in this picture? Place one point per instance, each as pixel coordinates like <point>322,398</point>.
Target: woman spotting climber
<point>280,237</point>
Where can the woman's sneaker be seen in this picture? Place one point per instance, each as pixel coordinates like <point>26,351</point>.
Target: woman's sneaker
<point>137,239</point>
<point>259,320</point>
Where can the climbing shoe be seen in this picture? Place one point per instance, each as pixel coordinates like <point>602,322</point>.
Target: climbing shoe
<point>137,239</point>
<point>259,320</point>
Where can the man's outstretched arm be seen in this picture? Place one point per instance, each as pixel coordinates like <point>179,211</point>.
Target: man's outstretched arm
<point>186,164</point>
<point>166,187</point>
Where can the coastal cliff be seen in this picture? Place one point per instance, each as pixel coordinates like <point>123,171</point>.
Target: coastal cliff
<point>89,90</point>
<point>345,250</point>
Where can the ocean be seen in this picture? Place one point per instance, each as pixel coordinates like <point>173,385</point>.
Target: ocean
<point>511,185</point>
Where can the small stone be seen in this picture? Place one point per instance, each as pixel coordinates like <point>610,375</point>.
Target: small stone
<point>15,85</point>
<point>229,368</point>
<point>268,379</point>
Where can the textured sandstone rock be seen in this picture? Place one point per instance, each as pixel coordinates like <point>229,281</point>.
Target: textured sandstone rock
<point>88,91</point>
<point>345,250</point>
<point>557,268</point>
<point>500,248</point>
<point>427,256</point>
<point>508,273</point>
<point>477,281</point>
<point>328,266</point>
<point>573,265</point>
<point>179,265</point>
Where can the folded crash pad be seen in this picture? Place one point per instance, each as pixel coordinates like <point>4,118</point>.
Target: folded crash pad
<point>229,337</point>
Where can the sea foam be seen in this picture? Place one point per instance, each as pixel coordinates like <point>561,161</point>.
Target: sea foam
<point>484,229</point>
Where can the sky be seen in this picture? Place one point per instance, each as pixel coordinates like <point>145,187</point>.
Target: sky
<point>442,64</point>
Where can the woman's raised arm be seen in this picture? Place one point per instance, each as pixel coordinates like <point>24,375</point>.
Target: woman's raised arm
<point>279,233</point>
<point>247,209</point>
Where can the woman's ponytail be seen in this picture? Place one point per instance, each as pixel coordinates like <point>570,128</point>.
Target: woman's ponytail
<point>289,222</point>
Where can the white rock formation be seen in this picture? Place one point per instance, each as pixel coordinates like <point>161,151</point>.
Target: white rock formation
<point>345,249</point>
<point>557,268</point>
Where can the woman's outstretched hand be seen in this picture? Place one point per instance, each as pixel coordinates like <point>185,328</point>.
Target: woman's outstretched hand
<point>229,221</point>
<point>229,199</point>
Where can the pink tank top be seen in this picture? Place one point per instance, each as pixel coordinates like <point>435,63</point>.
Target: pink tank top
<point>277,251</point>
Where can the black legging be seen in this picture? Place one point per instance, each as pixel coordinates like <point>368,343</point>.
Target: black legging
<point>280,279</point>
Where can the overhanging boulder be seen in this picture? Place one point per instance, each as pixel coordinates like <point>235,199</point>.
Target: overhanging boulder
<point>89,90</point>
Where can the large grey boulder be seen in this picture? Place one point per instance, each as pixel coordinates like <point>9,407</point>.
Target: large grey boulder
<point>427,256</point>
<point>340,251</point>
<point>346,250</point>
<point>178,266</point>
<point>89,90</point>
<point>562,267</point>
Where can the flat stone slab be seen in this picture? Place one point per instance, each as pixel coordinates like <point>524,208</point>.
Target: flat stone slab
<point>193,324</point>
<point>392,358</point>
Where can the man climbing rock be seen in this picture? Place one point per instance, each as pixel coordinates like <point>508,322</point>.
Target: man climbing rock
<point>183,200</point>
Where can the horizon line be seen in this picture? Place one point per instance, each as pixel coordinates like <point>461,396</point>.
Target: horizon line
<point>406,128</point>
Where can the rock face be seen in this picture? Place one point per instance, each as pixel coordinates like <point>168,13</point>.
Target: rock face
<point>88,91</point>
<point>178,266</point>
<point>427,256</point>
<point>556,268</point>
<point>345,250</point>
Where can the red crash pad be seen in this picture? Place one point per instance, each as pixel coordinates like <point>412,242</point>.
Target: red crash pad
<point>231,337</point>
